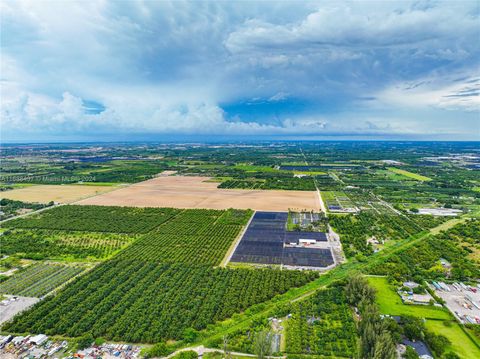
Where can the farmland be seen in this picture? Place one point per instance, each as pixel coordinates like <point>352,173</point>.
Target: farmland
<point>356,229</point>
<point>467,236</point>
<point>55,193</point>
<point>39,279</point>
<point>338,201</point>
<point>153,302</point>
<point>322,325</point>
<point>97,219</point>
<point>195,237</point>
<point>199,192</point>
<point>11,208</point>
<point>172,266</point>
<point>424,260</point>
<point>54,244</point>
<point>167,260</point>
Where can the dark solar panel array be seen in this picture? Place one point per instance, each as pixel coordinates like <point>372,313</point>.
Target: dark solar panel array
<point>334,207</point>
<point>263,240</point>
<point>307,257</point>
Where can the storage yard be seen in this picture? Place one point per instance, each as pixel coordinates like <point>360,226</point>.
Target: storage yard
<point>41,346</point>
<point>266,241</point>
<point>31,346</point>
<point>196,192</point>
<point>462,300</point>
<point>447,212</point>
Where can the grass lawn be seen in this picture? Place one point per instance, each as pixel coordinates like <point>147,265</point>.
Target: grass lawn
<point>390,302</point>
<point>461,343</point>
<point>298,163</point>
<point>393,175</point>
<point>251,168</point>
<point>409,174</point>
<point>475,338</point>
<point>447,225</point>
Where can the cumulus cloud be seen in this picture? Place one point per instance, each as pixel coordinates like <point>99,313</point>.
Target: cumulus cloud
<point>344,26</point>
<point>167,67</point>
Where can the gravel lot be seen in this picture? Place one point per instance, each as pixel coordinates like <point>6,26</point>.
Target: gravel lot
<point>9,310</point>
<point>456,300</point>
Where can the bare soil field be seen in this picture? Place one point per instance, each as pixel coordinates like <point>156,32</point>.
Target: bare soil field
<point>56,193</point>
<point>195,192</point>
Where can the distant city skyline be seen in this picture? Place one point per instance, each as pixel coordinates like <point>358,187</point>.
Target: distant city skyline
<point>213,70</point>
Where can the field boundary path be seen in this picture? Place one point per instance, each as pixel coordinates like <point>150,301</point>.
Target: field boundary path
<point>319,195</point>
<point>200,350</point>
<point>33,212</point>
<point>236,242</point>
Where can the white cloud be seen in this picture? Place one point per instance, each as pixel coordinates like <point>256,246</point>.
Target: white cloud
<point>356,27</point>
<point>278,97</point>
<point>452,95</point>
<point>160,67</point>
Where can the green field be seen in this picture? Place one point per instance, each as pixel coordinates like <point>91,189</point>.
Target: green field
<point>409,174</point>
<point>390,302</point>
<point>461,343</point>
<point>251,168</point>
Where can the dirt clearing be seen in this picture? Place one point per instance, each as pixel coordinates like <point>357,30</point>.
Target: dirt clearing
<point>56,193</point>
<point>195,192</point>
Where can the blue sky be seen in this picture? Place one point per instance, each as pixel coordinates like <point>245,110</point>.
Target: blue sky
<point>108,70</point>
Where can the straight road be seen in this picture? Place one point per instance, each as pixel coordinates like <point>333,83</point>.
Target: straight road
<point>319,194</point>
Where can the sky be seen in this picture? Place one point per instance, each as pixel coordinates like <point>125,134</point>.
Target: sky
<point>147,70</point>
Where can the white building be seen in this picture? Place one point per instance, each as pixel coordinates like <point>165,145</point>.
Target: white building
<point>38,339</point>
